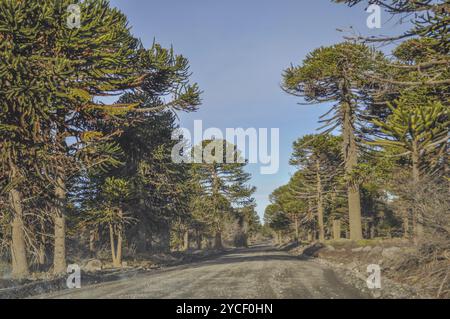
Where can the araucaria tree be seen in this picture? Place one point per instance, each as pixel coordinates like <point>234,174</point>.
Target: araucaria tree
<point>319,159</point>
<point>290,205</point>
<point>417,129</point>
<point>223,184</point>
<point>53,79</point>
<point>69,67</point>
<point>277,220</point>
<point>335,74</point>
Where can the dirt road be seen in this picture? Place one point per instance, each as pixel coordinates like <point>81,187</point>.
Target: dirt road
<point>257,272</point>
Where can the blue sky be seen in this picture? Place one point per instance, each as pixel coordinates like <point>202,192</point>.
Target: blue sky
<point>237,51</point>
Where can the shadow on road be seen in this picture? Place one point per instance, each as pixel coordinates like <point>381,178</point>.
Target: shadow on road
<point>256,253</point>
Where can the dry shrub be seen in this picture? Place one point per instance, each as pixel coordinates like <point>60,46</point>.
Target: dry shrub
<point>429,265</point>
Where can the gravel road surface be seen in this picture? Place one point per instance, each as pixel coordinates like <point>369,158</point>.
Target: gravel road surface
<point>258,272</point>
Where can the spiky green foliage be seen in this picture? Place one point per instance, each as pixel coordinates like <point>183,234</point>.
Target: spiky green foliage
<point>338,74</point>
<point>334,74</point>
<point>429,34</point>
<point>222,182</point>
<point>320,161</point>
<point>53,78</point>
<point>429,17</point>
<point>276,219</point>
<point>292,206</point>
<point>418,129</point>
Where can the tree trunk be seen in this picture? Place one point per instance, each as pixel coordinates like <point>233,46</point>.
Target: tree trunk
<point>150,245</point>
<point>59,261</point>
<point>119,250</point>
<point>19,262</point>
<point>417,215</point>
<point>209,243</point>
<point>405,225</point>
<point>119,242</point>
<point>186,240</point>
<point>296,228</point>
<point>310,236</point>
<point>415,163</point>
<point>372,230</point>
<point>41,254</point>
<point>336,229</point>
<point>141,245</point>
<point>142,234</point>
<point>116,248</point>
<point>245,240</point>
<point>112,243</point>
<point>218,240</point>
<point>18,247</point>
<point>389,233</point>
<point>319,203</point>
<point>42,249</point>
<point>198,239</point>
<point>350,152</point>
<point>42,245</point>
<point>59,258</point>
<point>354,206</point>
<point>92,239</point>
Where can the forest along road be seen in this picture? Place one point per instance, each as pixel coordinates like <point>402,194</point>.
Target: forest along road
<point>257,272</point>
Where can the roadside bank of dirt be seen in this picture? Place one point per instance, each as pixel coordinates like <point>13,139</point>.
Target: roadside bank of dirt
<point>95,271</point>
<point>351,259</point>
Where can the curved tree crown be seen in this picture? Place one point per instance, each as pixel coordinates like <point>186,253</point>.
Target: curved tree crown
<point>334,74</point>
